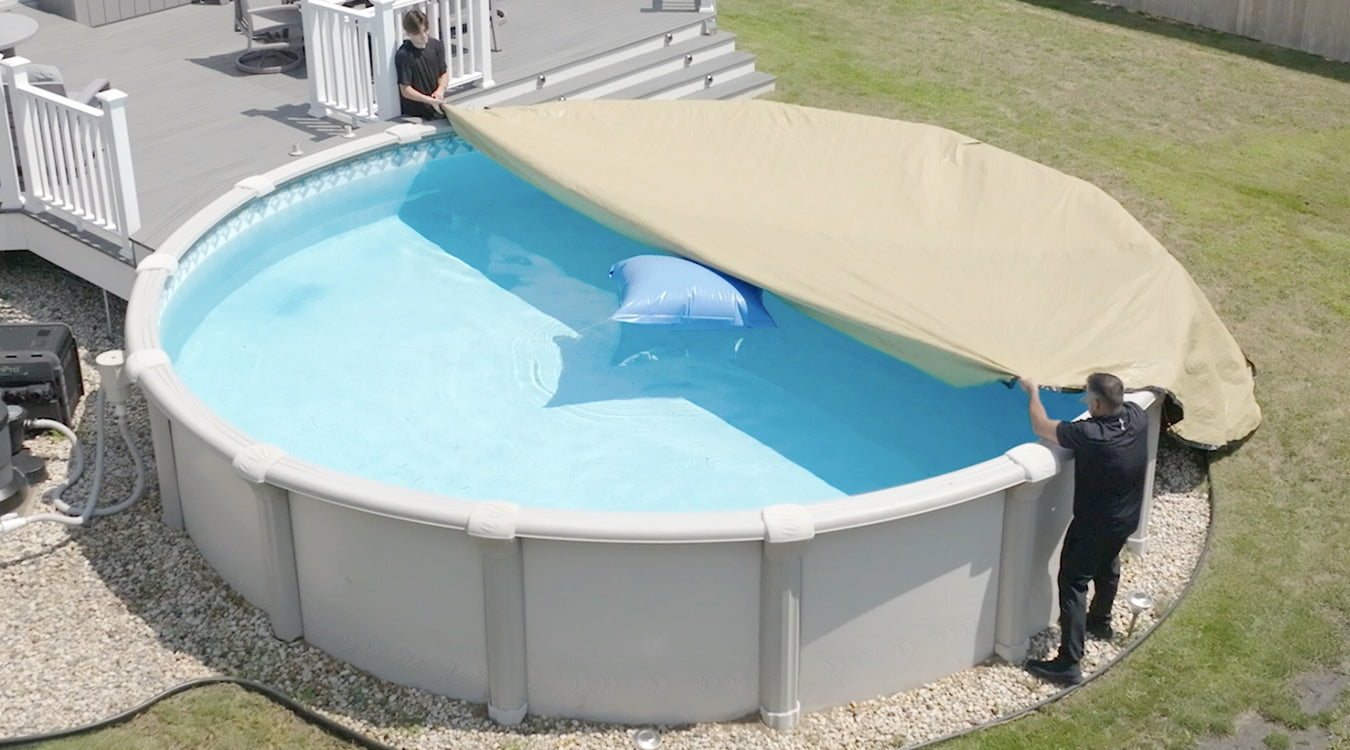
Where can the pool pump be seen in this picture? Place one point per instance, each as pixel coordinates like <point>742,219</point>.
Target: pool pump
<point>40,370</point>
<point>53,364</point>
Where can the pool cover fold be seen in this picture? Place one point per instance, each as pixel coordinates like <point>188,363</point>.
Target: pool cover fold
<point>968,261</point>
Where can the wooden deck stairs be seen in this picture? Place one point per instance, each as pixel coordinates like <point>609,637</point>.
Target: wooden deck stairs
<point>692,59</point>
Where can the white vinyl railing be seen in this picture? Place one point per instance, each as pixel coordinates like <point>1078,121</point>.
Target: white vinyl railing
<point>350,52</point>
<point>75,158</point>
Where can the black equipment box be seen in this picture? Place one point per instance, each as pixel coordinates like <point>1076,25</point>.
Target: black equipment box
<point>40,370</point>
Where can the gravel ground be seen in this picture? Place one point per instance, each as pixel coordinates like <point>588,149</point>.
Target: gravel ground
<point>96,621</point>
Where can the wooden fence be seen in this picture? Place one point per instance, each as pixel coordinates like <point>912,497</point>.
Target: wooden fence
<point>1321,27</point>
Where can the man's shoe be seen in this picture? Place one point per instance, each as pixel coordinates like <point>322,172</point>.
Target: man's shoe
<point>1100,631</point>
<point>1058,672</point>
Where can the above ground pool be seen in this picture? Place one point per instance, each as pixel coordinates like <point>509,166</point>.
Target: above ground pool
<point>463,316</point>
<point>390,407</point>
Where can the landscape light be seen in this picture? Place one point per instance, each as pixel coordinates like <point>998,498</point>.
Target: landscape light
<point>646,739</point>
<point>1139,602</point>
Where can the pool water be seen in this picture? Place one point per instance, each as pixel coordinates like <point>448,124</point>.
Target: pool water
<point>444,327</point>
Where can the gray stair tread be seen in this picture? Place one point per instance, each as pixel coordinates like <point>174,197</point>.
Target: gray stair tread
<point>469,94</point>
<point>575,39</point>
<point>625,67</point>
<point>697,71</point>
<point>735,87</point>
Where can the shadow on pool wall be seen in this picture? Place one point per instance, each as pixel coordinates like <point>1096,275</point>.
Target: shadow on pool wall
<point>854,417</point>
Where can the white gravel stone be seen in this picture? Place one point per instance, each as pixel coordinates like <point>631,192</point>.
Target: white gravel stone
<point>96,621</point>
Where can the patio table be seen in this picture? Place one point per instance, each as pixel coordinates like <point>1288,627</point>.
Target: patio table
<point>15,28</point>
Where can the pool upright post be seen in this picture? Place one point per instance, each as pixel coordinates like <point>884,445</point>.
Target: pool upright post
<point>1137,544</point>
<point>493,524</point>
<point>161,438</point>
<point>787,529</point>
<point>138,363</point>
<point>278,541</point>
<point>1012,637</point>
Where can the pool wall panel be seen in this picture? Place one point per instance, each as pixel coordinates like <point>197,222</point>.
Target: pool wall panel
<point>891,606</point>
<point>220,512</point>
<point>642,633</point>
<point>358,571</point>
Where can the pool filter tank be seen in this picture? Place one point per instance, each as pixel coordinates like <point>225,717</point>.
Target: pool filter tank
<point>13,485</point>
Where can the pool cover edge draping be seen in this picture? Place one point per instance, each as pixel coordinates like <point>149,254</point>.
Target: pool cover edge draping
<point>968,261</point>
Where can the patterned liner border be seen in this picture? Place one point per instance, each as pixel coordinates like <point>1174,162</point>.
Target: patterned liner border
<point>307,186</point>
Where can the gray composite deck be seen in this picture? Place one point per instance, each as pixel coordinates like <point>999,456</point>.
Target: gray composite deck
<point>197,126</point>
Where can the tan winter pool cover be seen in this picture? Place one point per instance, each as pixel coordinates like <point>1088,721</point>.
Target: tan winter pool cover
<point>965,260</point>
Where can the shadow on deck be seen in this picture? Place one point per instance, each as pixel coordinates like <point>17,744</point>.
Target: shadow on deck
<point>197,125</point>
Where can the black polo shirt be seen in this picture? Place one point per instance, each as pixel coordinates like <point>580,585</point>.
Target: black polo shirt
<point>1110,460</point>
<point>421,69</point>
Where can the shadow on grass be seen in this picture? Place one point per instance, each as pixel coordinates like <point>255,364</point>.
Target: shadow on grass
<point>1238,45</point>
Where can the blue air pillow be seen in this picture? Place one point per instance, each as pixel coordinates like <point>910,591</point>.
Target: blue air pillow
<point>670,291</point>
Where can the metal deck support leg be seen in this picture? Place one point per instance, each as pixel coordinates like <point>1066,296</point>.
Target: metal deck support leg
<point>492,25</point>
<point>107,315</point>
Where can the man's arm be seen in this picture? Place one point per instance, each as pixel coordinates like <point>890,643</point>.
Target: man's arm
<point>408,92</point>
<point>1041,424</point>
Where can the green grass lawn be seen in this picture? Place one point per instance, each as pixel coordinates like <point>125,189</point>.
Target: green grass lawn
<point>1236,156</point>
<point>217,717</point>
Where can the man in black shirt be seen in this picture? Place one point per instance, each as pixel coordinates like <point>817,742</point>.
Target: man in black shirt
<point>1110,451</point>
<point>420,63</point>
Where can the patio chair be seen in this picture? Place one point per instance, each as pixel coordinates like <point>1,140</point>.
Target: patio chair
<point>269,25</point>
<point>49,78</point>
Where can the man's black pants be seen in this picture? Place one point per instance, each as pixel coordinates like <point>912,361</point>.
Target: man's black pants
<point>1089,554</point>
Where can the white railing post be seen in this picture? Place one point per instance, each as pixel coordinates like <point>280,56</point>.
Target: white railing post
<point>15,78</point>
<point>481,14</point>
<point>447,16</point>
<point>119,153</point>
<point>384,36</point>
<point>9,168</point>
<point>315,55</point>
